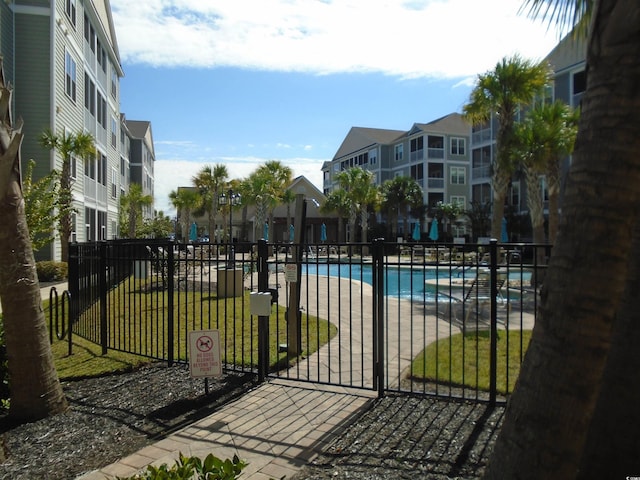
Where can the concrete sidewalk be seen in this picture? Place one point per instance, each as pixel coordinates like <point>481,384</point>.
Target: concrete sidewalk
<point>277,429</point>
<point>44,291</point>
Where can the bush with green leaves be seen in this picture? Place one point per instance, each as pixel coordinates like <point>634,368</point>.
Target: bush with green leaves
<point>49,271</point>
<point>193,468</point>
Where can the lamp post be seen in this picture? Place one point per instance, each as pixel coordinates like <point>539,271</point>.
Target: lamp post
<point>231,199</point>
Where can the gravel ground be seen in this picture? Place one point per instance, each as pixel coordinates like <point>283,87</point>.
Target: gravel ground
<point>111,417</point>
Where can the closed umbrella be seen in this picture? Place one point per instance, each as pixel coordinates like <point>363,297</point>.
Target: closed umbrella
<point>291,233</point>
<point>433,232</point>
<point>265,231</point>
<point>504,236</point>
<point>323,233</point>
<point>416,232</point>
<point>193,232</point>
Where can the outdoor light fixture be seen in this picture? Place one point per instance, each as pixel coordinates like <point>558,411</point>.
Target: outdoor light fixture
<point>231,199</point>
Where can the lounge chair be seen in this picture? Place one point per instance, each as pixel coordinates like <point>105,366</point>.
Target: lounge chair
<point>474,298</point>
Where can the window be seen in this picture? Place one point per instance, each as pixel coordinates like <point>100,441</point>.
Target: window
<point>89,95</point>
<point>417,172</point>
<point>70,10</point>
<point>461,201</point>
<point>457,146</point>
<point>417,152</point>
<point>102,169</point>
<point>114,132</point>
<point>101,54</point>
<point>579,82</point>
<point>90,167</point>
<point>372,156</point>
<point>73,166</point>
<point>458,175</point>
<point>114,183</point>
<point>74,219</point>
<point>398,151</point>
<point>90,34</point>
<point>102,111</point>
<point>114,83</point>
<point>70,76</point>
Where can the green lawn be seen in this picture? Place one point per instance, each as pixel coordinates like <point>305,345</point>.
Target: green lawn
<point>463,360</point>
<point>192,311</point>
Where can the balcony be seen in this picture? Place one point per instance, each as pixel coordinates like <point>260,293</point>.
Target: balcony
<point>417,156</point>
<point>435,152</point>
<point>435,182</point>
<point>481,172</point>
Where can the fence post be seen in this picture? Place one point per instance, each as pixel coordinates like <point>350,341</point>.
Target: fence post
<point>73,287</point>
<point>378,314</point>
<point>170,292</point>
<point>493,354</point>
<point>263,321</point>
<point>102,288</point>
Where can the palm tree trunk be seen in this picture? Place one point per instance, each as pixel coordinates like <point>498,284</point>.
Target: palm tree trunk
<point>500,187</point>
<point>549,414</point>
<point>553,185</point>
<point>616,419</point>
<point>35,389</point>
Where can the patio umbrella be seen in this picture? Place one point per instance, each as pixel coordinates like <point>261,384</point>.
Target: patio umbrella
<point>416,232</point>
<point>265,231</point>
<point>323,233</point>
<point>504,236</point>
<point>291,233</point>
<point>433,232</point>
<point>193,232</point>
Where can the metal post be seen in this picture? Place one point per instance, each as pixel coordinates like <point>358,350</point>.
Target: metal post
<point>170,292</point>
<point>493,354</point>
<point>73,288</point>
<point>378,315</point>
<point>263,321</point>
<point>102,287</point>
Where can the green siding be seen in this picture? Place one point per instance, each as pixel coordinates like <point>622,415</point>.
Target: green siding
<point>33,85</point>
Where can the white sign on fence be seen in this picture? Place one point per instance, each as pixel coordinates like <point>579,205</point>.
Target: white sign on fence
<point>204,354</point>
<point>291,272</point>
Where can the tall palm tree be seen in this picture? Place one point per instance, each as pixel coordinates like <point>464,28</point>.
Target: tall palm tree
<point>542,139</point>
<point>131,205</point>
<point>186,200</point>
<point>337,202</point>
<point>278,178</point>
<point>574,411</point>
<point>34,386</point>
<point>512,84</point>
<point>68,145</point>
<point>399,196</point>
<point>211,182</point>
<point>361,193</point>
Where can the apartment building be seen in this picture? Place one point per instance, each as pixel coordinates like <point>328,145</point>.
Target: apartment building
<point>435,154</point>
<point>62,58</point>
<point>142,159</point>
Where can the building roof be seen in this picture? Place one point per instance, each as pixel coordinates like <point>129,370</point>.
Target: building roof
<point>360,138</point>
<point>571,51</point>
<point>141,129</point>
<point>452,123</point>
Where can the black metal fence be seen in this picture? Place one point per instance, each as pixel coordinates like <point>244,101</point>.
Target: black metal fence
<point>442,319</point>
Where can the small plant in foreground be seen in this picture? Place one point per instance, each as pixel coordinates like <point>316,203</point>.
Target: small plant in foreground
<point>193,468</point>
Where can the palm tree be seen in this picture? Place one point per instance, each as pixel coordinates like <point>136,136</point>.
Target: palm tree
<point>512,84</point>
<point>69,145</point>
<point>278,179</point>
<point>399,195</point>
<point>575,402</point>
<point>211,183</point>
<point>546,135</point>
<point>186,200</point>
<point>337,202</point>
<point>34,386</point>
<point>361,193</point>
<point>131,205</point>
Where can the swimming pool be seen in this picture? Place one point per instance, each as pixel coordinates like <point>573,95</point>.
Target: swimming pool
<point>408,282</point>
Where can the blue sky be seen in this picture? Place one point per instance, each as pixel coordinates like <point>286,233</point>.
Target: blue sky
<point>243,82</point>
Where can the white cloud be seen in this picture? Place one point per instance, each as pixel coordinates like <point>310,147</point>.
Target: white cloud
<point>169,174</point>
<point>432,38</point>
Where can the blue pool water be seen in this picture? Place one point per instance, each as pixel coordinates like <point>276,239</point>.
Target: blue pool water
<point>402,282</point>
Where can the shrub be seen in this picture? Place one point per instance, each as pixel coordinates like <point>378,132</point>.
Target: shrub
<point>193,468</point>
<point>51,271</point>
